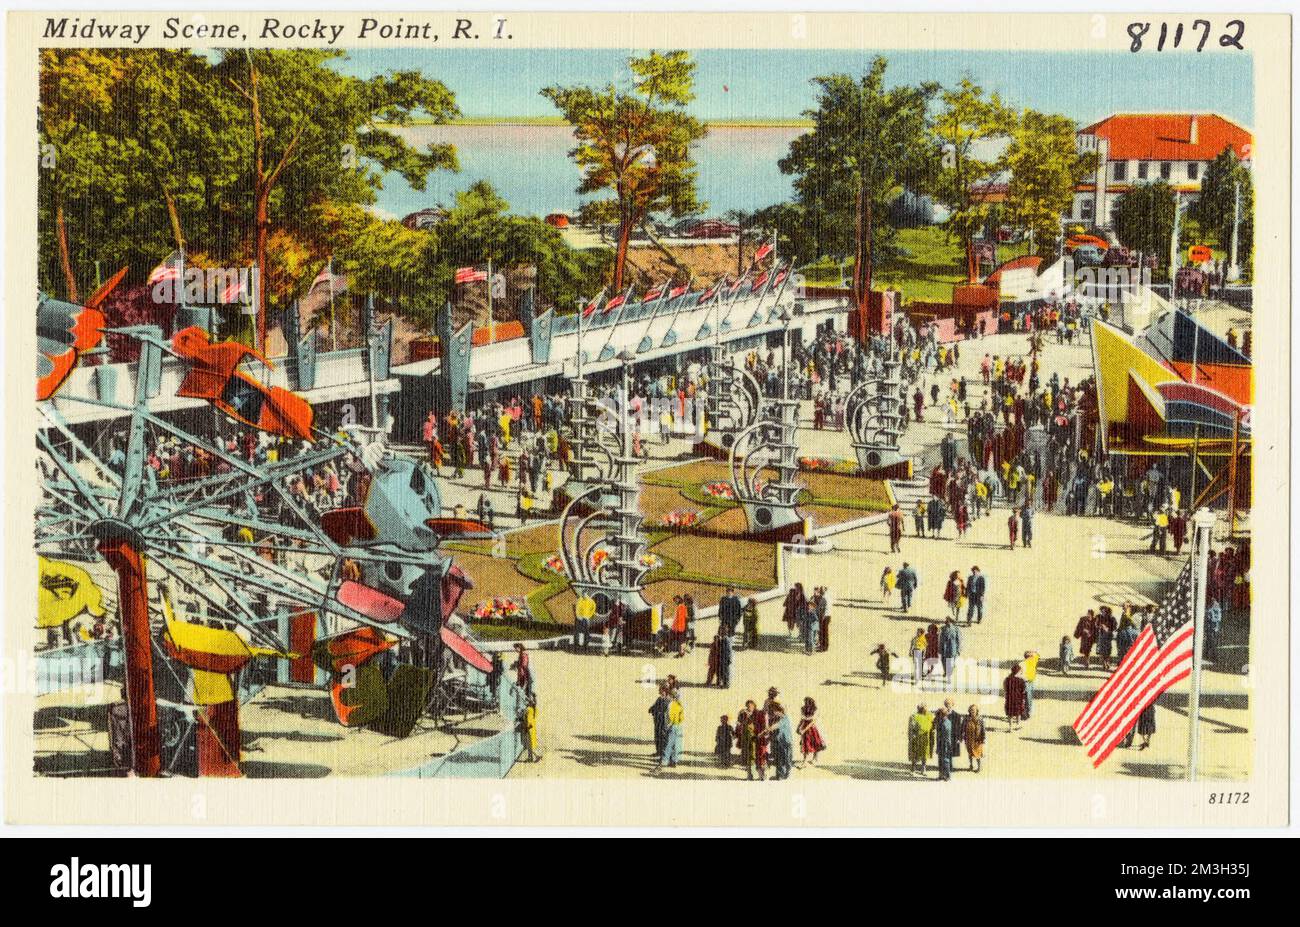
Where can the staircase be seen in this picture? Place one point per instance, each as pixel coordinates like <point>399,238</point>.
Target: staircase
<point>906,492</point>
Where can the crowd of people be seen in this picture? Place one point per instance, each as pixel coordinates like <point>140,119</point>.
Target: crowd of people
<point>759,738</point>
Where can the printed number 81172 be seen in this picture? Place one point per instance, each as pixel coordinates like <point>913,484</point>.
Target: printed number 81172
<point>1233,30</point>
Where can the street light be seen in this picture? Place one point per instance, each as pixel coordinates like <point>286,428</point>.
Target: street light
<point>785,318</point>
<point>626,357</point>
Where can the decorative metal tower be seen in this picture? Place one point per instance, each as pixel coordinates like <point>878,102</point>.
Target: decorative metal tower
<point>770,444</point>
<point>732,403</point>
<point>611,568</point>
<point>876,418</point>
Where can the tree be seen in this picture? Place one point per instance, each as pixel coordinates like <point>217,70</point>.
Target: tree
<point>965,178</point>
<point>867,143</point>
<point>1214,209</point>
<point>317,127</point>
<point>1144,219</point>
<point>76,90</point>
<point>479,226</point>
<point>1045,166</point>
<point>635,144</point>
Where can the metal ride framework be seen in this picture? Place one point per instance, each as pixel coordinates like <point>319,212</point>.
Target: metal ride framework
<point>183,531</point>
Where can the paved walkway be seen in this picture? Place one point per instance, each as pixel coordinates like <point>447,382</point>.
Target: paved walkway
<point>593,710</point>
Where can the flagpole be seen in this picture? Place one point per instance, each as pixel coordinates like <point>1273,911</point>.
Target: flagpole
<point>491,326</point>
<point>1203,531</point>
<point>334,337</point>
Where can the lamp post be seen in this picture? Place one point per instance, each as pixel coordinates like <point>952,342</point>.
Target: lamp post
<point>785,319</point>
<point>627,358</point>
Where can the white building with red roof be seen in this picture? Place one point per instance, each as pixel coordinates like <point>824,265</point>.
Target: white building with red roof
<point>1137,148</point>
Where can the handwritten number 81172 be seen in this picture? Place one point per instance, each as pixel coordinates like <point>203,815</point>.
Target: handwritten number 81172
<point>1233,30</point>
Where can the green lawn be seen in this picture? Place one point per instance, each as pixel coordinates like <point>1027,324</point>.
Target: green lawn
<point>926,270</point>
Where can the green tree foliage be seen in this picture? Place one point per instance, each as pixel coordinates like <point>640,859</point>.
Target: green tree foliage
<point>480,227</point>
<point>1045,166</point>
<point>1144,220</point>
<point>635,145</point>
<point>1213,210</point>
<point>966,175</point>
<point>262,157</point>
<point>867,143</point>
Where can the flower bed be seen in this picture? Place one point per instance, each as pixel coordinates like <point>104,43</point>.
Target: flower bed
<point>719,490</point>
<point>679,519</point>
<point>500,608</point>
<point>554,564</point>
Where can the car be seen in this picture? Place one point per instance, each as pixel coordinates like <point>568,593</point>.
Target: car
<point>1088,256</point>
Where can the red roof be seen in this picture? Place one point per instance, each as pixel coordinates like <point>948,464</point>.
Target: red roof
<point>1031,261</point>
<point>1167,136</point>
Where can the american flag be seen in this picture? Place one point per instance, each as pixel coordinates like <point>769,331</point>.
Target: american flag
<point>1158,659</point>
<point>470,275</point>
<point>170,269</point>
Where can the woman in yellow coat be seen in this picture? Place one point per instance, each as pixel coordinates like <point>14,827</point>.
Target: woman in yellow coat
<point>528,728</point>
<point>920,739</point>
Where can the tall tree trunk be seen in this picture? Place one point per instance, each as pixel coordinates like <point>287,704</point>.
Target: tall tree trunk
<point>175,218</point>
<point>862,249</point>
<point>262,223</point>
<point>620,255</point>
<point>65,257</point>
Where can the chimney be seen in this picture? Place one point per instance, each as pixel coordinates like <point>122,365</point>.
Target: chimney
<point>1192,135</point>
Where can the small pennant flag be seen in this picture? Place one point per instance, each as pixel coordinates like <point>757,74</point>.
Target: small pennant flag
<point>235,289</point>
<point>652,294</point>
<point>765,249</point>
<point>470,275</point>
<point>170,269</point>
<point>713,290</point>
<point>678,291</point>
<point>588,309</point>
<point>758,282</point>
<point>614,303</point>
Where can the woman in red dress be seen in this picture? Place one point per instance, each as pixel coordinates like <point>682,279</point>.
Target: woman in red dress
<point>811,741</point>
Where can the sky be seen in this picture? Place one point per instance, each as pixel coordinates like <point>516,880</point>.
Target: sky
<point>774,83</point>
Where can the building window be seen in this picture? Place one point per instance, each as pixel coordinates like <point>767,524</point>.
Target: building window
<point>1166,168</point>
<point>1085,209</point>
<point>1142,170</point>
<point>1121,170</point>
<point>1193,170</point>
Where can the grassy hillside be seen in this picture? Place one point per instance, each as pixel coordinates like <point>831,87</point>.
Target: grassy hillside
<point>926,270</point>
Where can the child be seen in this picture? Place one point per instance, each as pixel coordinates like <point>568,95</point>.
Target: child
<point>1067,655</point>
<point>722,741</point>
<point>883,657</point>
<point>887,582</point>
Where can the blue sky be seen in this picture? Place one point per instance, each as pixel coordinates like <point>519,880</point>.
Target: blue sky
<point>773,83</point>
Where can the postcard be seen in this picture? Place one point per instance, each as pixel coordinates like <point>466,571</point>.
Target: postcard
<point>629,418</point>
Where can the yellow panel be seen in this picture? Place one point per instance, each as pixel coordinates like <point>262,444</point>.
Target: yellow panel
<point>212,688</point>
<point>64,591</point>
<point>1117,356</point>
